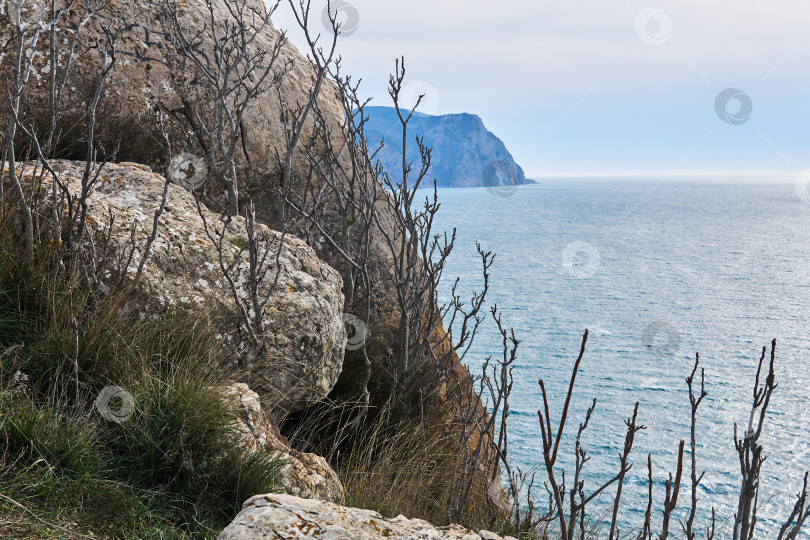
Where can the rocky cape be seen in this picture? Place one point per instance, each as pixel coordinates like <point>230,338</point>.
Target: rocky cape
<point>464,152</point>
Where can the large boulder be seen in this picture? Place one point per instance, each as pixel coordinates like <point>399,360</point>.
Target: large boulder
<point>288,517</point>
<point>303,474</point>
<point>151,74</point>
<point>304,334</point>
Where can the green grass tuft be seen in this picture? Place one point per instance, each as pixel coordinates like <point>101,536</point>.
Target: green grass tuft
<point>173,469</point>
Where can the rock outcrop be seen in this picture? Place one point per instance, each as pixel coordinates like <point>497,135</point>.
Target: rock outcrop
<point>149,74</point>
<point>303,474</point>
<point>288,517</point>
<point>464,152</point>
<point>304,334</point>
<point>304,353</point>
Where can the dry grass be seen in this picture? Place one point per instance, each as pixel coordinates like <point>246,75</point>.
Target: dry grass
<point>411,470</point>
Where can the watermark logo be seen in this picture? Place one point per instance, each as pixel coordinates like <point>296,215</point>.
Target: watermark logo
<point>581,259</point>
<point>499,496</point>
<point>115,404</point>
<point>344,13</point>
<point>13,10</point>
<point>653,26</point>
<point>356,331</point>
<point>501,178</point>
<point>414,90</point>
<point>188,170</point>
<point>733,106</point>
<point>661,338</point>
<point>803,185</point>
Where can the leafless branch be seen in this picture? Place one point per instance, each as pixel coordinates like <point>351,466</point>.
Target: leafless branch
<point>234,70</point>
<point>799,514</point>
<point>671,496</point>
<point>749,451</point>
<point>694,401</point>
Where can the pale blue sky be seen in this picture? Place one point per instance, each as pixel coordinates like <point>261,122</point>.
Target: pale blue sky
<point>596,86</point>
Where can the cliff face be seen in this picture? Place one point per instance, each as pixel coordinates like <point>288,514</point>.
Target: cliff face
<point>304,359</point>
<point>465,153</point>
<point>149,75</point>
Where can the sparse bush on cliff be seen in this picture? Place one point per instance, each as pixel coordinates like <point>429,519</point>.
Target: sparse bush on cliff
<point>233,72</point>
<point>424,382</point>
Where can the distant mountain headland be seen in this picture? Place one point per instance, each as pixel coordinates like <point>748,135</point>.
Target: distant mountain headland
<point>465,152</point>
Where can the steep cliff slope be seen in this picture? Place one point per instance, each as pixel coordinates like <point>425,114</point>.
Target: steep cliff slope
<point>304,350</point>
<point>150,76</point>
<point>464,152</point>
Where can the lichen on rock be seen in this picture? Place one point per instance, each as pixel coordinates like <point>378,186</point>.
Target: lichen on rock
<point>304,335</point>
<point>302,474</point>
<point>289,517</point>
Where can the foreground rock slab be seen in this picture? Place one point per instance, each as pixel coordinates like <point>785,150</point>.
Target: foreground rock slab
<point>288,517</point>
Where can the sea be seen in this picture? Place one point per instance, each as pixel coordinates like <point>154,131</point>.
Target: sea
<point>657,270</point>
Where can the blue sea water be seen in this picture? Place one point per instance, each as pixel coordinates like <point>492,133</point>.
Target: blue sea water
<point>657,271</point>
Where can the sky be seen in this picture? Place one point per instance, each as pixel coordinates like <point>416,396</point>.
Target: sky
<point>591,87</point>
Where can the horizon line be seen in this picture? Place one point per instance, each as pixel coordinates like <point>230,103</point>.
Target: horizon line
<point>659,174</point>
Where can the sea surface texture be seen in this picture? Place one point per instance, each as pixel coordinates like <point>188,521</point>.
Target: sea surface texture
<point>657,271</point>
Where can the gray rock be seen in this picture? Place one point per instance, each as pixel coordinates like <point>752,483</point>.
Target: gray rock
<point>148,75</point>
<point>303,474</point>
<point>304,336</point>
<point>287,517</point>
